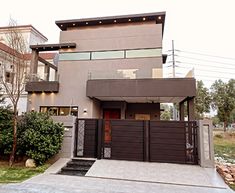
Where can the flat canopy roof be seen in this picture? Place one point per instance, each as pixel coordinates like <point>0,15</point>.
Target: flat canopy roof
<point>142,90</point>
<point>159,17</point>
<point>52,47</point>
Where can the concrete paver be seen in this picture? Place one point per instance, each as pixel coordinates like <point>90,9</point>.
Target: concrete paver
<point>131,177</point>
<point>157,172</point>
<point>50,183</point>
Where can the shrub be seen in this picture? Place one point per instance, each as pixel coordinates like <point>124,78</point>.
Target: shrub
<point>42,137</point>
<point>6,131</point>
<point>219,136</point>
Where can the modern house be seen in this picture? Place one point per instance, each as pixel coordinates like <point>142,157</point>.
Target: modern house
<point>31,36</point>
<point>110,78</point>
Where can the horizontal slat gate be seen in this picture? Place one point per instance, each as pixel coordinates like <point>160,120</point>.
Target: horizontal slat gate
<point>167,142</point>
<point>136,140</point>
<point>127,140</point>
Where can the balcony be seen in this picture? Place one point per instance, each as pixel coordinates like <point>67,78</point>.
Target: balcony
<point>37,84</point>
<point>144,85</point>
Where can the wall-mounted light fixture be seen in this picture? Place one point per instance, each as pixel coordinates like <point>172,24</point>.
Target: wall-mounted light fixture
<point>84,110</point>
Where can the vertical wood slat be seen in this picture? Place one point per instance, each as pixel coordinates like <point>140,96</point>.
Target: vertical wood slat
<point>146,141</point>
<point>99,139</point>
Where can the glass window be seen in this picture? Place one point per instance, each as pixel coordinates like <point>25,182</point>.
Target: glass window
<point>64,111</point>
<point>155,52</point>
<point>107,55</point>
<point>61,111</point>
<point>53,111</point>
<point>74,56</point>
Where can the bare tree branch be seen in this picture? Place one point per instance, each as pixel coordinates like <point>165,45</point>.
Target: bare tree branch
<point>13,73</point>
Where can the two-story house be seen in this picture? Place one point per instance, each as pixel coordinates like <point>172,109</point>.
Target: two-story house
<point>111,68</point>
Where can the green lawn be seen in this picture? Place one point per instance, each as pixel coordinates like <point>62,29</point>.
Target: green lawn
<point>224,145</point>
<point>19,173</point>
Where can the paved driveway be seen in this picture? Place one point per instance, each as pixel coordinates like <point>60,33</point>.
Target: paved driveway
<point>108,176</point>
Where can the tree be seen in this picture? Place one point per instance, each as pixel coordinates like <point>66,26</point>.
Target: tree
<point>13,75</point>
<point>223,100</point>
<point>167,113</point>
<point>202,100</point>
<point>1,97</point>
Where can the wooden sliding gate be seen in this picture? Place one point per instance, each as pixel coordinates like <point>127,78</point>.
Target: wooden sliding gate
<point>154,141</point>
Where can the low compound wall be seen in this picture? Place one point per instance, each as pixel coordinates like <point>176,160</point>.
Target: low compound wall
<point>67,149</point>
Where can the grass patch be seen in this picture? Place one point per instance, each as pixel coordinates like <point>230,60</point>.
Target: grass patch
<point>19,173</point>
<point>225,145</point>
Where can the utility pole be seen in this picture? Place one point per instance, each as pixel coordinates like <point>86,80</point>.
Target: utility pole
<point>173,75</point>
<point>173,59</point>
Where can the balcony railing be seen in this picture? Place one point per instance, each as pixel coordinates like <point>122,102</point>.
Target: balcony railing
<point>43,77</point>
<point>36,83</point>
<point>126,74</point>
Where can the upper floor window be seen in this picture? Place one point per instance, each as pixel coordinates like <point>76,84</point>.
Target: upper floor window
<point>155,52</point>
<point>107,55</point>
<point>75,56</point>
<point>115,54</point>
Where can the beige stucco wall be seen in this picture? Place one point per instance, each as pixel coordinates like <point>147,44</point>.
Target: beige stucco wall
<point>73,75</point>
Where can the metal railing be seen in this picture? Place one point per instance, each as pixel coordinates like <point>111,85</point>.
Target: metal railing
<point>125,74</point>
<point>44,77</point>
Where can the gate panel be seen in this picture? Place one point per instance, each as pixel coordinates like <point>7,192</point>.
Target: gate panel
<point>87,137</point>
<point>167,142</point>
<point>173,142</point>
<point>127,140</point>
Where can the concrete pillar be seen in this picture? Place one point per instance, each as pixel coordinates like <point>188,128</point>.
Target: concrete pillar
<point>47,72</point>
<point>34,63</point>
<point>67,149</point>
<point>205,144</point>
<point>181,108</point>
<point>190,106</point>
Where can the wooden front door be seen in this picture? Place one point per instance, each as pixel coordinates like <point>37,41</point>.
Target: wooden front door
<point>109,114</point>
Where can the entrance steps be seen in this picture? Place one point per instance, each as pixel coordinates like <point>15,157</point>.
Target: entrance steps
<point>77,167</point>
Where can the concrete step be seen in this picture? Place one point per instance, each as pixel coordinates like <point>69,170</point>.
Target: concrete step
<point>72,173</point>
<point>77,167</point>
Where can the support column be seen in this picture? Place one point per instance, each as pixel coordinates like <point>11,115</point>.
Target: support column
<point>181,108</point>
<point>47,72</point>
<point>191,115</point>
<point>34,63</point>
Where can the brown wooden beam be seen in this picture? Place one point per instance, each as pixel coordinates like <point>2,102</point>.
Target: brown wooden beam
<point>181,108</point>
<point>47,63</point>
<point>190,106</point>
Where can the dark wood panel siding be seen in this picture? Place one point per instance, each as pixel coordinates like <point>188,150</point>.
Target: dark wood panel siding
<point>90,138</point>
<point>127,140</point>
<point>167,142</point>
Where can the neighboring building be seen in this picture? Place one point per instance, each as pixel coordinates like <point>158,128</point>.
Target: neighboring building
<point>31,36</point>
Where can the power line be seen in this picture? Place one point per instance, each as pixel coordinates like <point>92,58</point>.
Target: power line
<point>206,60</point>
<point>205,65</point>
<point>197,53</point>
<point>198,68</point>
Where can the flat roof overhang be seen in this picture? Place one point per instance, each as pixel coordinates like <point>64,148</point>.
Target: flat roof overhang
<point>52,47</point>
<point>159,17</point>
<point>172,90</point>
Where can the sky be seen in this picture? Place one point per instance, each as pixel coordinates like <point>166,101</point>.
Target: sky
<point>203,30</point>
